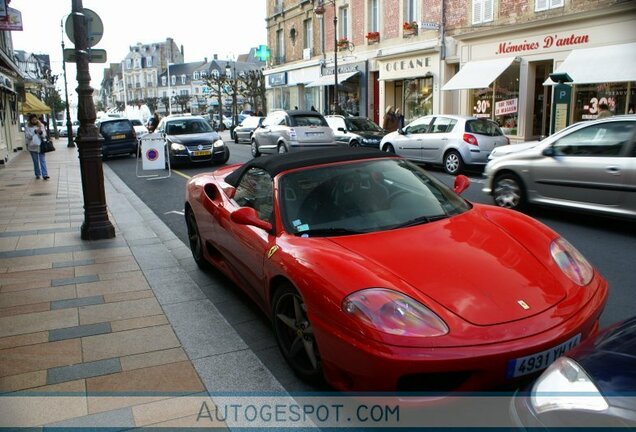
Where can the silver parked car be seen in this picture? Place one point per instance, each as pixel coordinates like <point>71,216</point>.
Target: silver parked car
<point>588,166</point>
<point>450,140</point>
<point>284,131</point>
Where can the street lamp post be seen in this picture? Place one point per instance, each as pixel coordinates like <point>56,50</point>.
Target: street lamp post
<point>96,225</point>
<point>169,91</point>
<point>69,124</point>
<point>320,11</point>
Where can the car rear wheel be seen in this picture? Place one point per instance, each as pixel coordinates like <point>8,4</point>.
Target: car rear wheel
<point>282,149</point>
<point>236,140</point>
<point>389,148</point>
<point>453,162</point>
<point>508,192</point>
<point>196,243</point>
<point>254,148</point>
<point>295,335</point>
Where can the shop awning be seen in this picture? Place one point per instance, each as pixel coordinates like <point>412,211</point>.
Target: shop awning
<point>327,80</point>
<point>608,64</point>
<point>33,105</point>
<point>478,74</point>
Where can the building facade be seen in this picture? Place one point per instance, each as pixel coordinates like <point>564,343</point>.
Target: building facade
<point>141,68</point>
<point>11,95</point>
<point>489,58</point>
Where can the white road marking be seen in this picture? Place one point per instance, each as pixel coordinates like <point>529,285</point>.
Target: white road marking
<point>180,213</point>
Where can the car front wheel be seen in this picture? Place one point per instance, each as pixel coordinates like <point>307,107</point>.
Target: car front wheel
<point>254,148</point>
<point>281,148</point>
<point>508,192</point>
<point>453,162</point>
<point>389,148</point>
<point>294,334</point>
<point>196,243</point>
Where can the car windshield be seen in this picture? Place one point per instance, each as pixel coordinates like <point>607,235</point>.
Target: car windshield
<point>483,127</point>
<point>115,127</point>
<point>136,122</point>
<point>187,126</point>
<point>308,120</point>
<point>362,197</point>
<point>362,124</point>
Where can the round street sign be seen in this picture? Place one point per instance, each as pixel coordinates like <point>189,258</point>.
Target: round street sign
<point>94,27</point>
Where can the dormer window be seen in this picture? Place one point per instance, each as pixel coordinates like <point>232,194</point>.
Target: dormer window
<point>183,79</point>
<point>164,81</point>
<point>173,80</point>
<point>195,76</point>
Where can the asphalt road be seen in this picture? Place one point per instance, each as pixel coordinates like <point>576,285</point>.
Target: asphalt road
<point>609,244</point>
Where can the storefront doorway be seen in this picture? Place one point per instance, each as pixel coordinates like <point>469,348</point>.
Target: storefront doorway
<point>542,100</point>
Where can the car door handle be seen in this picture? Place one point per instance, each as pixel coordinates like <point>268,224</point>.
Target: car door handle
<point>444,139</point>
<point>613,170</point>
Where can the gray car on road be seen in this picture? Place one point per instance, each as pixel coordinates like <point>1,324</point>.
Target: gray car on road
<point>589,166</point>
<point>450,140</point>
<point>283,131</point>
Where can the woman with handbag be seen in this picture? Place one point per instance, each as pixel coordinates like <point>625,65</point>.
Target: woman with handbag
<point>34,133</point>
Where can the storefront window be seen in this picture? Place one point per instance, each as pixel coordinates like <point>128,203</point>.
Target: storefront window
<point>500,101</point>
<point>349,100</point>
<point>418,98</point>
<point>311,98</point>
<point>278,98</point>
<point>588,97</point>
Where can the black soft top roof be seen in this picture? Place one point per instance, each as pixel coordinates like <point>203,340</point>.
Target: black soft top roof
<point>276,164</point>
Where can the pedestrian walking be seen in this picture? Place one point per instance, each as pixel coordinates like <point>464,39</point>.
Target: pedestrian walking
<point>153,122</point>
<point>603,111</point>
<point>34,133</point>
<point>400,118</point>
<point>390,122</point>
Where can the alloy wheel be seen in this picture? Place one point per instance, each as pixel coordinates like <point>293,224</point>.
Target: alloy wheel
<point>507,193</point>
<point>194,238</point>
<point>295,335</point>
<point>453,162</point>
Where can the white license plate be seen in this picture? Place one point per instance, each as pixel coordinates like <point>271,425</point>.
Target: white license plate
<point>202,153</point>
<point>536,362</point>
<point>314,133</point>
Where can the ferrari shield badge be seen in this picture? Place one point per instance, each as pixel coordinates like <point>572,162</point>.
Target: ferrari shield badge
<point>272,251</point>
<point>523,304</point>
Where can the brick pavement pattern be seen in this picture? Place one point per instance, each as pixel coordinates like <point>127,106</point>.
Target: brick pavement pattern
<point>80,317</point>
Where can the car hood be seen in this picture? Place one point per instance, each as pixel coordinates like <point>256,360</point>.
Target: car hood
<point>467,264</point>
<point>370,134</point>
<point>200,138</point>
<point>512,148</point>
<point>609,359</point>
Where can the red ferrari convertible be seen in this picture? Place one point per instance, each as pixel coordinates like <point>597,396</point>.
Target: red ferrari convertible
<point>376,276</point>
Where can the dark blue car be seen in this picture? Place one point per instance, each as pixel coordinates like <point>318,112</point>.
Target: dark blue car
<point>593,385</point>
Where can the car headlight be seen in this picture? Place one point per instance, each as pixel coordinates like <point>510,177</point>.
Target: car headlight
<point>218,143</point>
<point>394,313</point>
<point>571,262</point>
<point>177,147</point>
<point>565,386</point>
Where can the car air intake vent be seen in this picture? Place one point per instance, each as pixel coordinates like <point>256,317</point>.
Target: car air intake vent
<point>441,382</point>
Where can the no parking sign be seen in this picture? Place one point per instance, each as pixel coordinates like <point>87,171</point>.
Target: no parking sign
<point>153,154</point>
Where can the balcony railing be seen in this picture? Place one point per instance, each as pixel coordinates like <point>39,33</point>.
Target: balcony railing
<point>278,60</point>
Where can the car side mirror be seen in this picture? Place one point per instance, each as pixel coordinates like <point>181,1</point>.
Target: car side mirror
<point>461,184</point>
<point>248,216</point>
<point>401,131</point>
<point>549,151</point>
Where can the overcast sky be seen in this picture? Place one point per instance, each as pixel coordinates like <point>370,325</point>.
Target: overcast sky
<point>203,27</point>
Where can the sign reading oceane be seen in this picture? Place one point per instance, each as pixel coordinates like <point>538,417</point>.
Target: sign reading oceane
<point>549,41</point>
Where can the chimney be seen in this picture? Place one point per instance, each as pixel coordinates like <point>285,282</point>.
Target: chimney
<point>206,59</point>
<point>216,56</point>
<point>182,51</point>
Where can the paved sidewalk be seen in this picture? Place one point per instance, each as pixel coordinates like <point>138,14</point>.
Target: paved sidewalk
<point>118,317</point>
